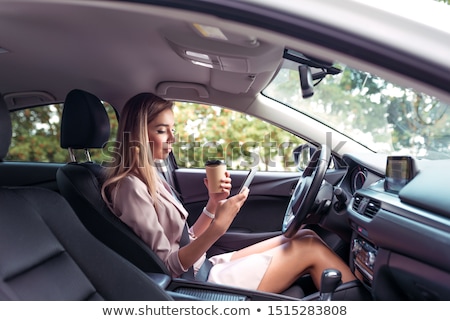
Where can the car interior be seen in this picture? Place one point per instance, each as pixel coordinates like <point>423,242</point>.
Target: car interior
<point>385,213</point>
<point>80,184</point>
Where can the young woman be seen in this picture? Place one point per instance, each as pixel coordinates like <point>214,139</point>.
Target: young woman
<point>144,201</point>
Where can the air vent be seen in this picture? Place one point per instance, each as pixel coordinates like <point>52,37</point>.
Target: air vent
<point>356,202</point>
<point>365,206</point>
<point>372,208</point>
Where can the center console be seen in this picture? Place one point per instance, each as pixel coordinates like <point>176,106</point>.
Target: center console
<point>186,290</point>
<point>363,257</point>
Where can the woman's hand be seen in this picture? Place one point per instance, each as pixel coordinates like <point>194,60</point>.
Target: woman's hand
<point>204,221</point>
<point>215,198</point>
<point>227,210</point>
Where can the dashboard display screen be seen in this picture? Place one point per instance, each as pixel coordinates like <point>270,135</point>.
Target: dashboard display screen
<point>399,171</point>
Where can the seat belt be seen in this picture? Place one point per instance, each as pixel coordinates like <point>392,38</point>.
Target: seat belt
<point>203,272</point>
<point>189,274</point>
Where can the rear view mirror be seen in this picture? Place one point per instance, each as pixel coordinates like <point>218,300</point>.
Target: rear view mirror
<point>306,81</point>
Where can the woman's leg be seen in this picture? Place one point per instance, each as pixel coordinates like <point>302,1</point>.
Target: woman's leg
<point>291,258</point>
<point>269,244</point>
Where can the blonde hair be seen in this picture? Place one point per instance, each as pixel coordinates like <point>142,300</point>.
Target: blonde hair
<point>135,155</point>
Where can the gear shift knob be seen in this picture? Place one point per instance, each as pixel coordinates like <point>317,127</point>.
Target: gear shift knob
<point>331,278</point>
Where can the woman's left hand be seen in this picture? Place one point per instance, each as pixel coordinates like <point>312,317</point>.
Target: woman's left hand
<point>226,189</point>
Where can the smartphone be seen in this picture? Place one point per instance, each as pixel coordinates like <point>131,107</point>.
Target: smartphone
<point>248,180</point>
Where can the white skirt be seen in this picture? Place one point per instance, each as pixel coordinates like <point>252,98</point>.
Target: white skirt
<point>246,272</point>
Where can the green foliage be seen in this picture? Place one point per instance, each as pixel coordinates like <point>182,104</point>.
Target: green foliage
<point>203,132</point>
<point>381,115</point>
<point>36,135</point>
<point>207,132</point>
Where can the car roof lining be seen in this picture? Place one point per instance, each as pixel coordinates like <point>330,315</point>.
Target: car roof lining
<point>144,63</point>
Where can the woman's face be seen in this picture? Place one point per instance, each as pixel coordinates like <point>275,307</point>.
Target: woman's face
<point>161,134</point>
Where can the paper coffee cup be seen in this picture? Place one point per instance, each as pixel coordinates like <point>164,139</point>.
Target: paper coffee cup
<point>215,171</point>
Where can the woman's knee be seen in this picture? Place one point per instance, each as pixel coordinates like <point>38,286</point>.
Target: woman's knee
<point>308,241</point>
<point>306,233</point>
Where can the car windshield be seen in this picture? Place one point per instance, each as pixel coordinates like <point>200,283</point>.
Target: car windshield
<point>380,115</point>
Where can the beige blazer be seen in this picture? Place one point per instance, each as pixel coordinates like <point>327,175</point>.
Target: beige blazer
<point>160,225</point>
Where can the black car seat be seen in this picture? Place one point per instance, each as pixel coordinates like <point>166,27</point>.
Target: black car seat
<point>85,125</point>
<point>47,254</point>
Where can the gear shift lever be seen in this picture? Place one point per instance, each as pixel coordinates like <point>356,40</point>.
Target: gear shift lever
<point>331,278</point>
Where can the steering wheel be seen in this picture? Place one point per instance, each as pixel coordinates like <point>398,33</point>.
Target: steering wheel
<point>304,195</point>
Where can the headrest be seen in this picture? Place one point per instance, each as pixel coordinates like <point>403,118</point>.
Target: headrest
<point>5,129</point>
<point>84,123</point>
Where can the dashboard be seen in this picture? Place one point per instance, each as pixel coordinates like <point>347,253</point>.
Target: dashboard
<point>400,243</point>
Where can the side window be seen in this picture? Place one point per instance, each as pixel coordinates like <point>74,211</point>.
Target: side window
<point>36,135</point>
<point>207,132</point>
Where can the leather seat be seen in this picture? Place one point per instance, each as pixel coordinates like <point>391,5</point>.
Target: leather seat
<point>85,125</point>
<point>47,254</point>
